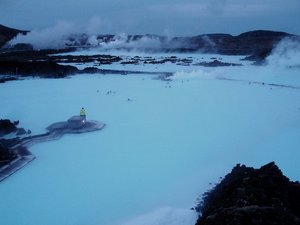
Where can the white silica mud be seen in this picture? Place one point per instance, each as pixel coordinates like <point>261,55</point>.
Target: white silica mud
<point>163,144</point>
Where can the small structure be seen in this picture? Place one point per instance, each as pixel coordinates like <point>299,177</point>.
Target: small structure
<point>76,122</point>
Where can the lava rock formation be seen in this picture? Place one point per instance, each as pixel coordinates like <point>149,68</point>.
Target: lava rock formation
<point>249,196</point>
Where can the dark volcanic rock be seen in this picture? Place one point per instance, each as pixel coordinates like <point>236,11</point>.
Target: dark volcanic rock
<point>249,196</point>
<point>22,60</point>
<point>45,63</point>
<point>6,127</point>
<point>3,79</point>
<point>37,68</point>
<point>251,42</point>
<point>216,63</point>
<point>21,131</point>
<point>5,154</point>
<point>9,143</point>
<point>101,59</point>
<point>6,34</point>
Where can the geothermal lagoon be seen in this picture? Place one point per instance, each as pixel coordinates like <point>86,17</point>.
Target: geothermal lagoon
<point>165,143</point>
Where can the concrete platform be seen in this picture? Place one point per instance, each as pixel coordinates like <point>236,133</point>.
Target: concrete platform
<point>63,128</point>
<point>57,130</point>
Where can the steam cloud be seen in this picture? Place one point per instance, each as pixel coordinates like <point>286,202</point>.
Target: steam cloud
<point>123,41</point>
<point>61,34</point>
<point>195,74</point>
<point>285,54</point>
<point>65,34</point>
<point>52,37</point>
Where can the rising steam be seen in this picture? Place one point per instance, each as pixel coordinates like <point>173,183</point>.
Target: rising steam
<point>52,37</point>
<point>62,34</point>
<point>65,34</point>
<point>286,54</point>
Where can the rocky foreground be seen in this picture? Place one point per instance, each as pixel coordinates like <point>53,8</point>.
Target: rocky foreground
<point>248,196</point>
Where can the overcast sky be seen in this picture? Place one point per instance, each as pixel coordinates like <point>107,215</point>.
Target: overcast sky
<point>167,17</point>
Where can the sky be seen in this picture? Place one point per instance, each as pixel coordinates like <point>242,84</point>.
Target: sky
<point>163,17</point>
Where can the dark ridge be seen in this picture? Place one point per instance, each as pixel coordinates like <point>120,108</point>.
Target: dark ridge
<point>248,196</point>
<point>216,63</point>
<point>252,42</point>
<point>22,60</point>
<point>6,34</point>
<point>263,33</point>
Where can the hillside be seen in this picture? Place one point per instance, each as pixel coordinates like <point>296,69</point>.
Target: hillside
<point>21,59</point>
<point>6,34</point>
<point>252,42</point>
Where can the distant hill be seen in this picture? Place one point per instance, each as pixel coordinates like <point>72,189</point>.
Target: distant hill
<point>251,42</point>
<point>247,43</point>
<point>258,43</point>
<point>22,59</point>
<point>244,44</point>
<point>6,34</point>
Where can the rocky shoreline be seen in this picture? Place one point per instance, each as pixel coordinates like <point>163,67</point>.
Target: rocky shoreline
<point>14,153</point>
<point>248,196</point>
<point>47,66</point>
<point>14,66</point>
<point>22,156</point>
